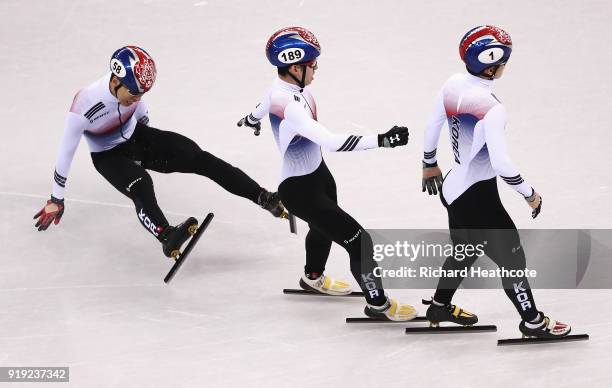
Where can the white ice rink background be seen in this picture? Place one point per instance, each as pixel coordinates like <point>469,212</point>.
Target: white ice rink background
<point>88,293</point>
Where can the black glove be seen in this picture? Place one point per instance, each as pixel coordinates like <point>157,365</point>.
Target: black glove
<point>537,210</point>
<point>246,121</point>
<point>534,211</point>
<point>396,136</point>
<point>432,179</point>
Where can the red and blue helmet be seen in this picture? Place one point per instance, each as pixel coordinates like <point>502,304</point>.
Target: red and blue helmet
<point>135,69</point>
<point>485,46</point>
<point>292,45</point>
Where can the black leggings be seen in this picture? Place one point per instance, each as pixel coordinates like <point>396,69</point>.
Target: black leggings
<point>478,216</point>
<point>313,198</point>
<point>125,165</point>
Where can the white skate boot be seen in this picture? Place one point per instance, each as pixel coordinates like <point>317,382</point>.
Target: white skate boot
<point>392,310</point>
<point>325,285</point>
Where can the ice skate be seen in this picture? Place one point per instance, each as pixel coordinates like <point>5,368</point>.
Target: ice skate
<point>270,202</point>
<point>448,313</point>
<point>392,310</point>
<point>544,327</point>
<point>173,237</point>
<point>325,285</point>
<point>543,330</point>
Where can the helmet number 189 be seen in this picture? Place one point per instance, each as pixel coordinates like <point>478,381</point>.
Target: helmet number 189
<point>291,55</point>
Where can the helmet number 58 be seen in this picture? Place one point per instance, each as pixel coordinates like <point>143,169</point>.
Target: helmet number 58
<point>117,68</point>
<point>291,55</point>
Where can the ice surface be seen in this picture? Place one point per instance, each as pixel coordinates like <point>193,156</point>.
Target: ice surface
<point>89,293</point>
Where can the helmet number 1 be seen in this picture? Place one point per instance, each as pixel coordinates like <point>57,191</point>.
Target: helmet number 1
<point>291,55</point>
<point>491,55</point>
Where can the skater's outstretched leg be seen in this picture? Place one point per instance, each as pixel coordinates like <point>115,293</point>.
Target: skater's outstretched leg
<point>169,152</point>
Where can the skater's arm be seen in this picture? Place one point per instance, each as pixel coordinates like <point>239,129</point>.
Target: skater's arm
<point>432,130</point>
<point>75,125</point>
<point>299,120</point>
<point>494,127</point>
<point>253,119</point>
<point>261,110</point>
<point>141,114</point>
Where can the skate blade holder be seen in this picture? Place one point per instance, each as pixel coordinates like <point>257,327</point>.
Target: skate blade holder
<point>292,291</point>
<point>292,222</point>
<point>380,320</point>
<point>179,258</point>
<point>176,253</point>
<point>435,328</point>
<point>535,340</point>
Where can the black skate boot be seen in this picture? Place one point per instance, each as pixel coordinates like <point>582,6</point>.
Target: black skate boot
<point>270,202</point>
<point>544,327</point>
<point>173,237</point>
<point>448,313</point>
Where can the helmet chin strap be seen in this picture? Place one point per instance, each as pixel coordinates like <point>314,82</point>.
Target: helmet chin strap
<point>492,76</point>
<point>117,88</point>
<point>301,83</point>
<point>482,75</point>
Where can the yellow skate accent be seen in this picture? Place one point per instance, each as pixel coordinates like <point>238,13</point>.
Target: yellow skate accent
<point>400,312</point>
<point>393,307</point>
<point>460,312</point>
<point>326,283</point>
<point>338,286</point>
